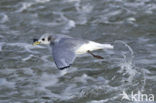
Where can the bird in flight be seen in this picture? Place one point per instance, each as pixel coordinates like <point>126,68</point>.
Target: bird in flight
<point>65,48</point>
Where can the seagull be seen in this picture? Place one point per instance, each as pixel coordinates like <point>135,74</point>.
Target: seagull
<point>66,48</point>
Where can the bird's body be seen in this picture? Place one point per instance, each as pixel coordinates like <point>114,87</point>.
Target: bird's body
<point>91,46</point>
<point>65,48</point>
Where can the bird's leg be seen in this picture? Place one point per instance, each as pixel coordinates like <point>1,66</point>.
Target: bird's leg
<point>96,56</point>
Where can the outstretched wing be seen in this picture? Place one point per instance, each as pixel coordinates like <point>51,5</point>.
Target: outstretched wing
<point>63,54</point>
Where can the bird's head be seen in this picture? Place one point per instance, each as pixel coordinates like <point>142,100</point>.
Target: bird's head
<point>44,39</point>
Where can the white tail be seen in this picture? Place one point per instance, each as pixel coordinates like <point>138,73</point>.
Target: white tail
<point>107,46</point>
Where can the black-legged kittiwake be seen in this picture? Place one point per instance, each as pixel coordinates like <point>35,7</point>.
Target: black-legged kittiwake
<point>65,48</point>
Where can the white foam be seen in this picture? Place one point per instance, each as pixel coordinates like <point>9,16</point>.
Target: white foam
<point>151,8</point>
<point>42,1</point>
<point>45,58</point>
<point>146,61</point>
<point>70,24</point>
<point>28,71</point>
<point>131,19</point>
<point>65,71</point>
<point>97,101</point>
<point>87,8</point>
<point>105,17</point>
<point>5,83</point>
<point>83,11</point>
<point>27,46</point>
<point>48,80</point>
<point>113,13</point>
<point>4,18</point>
<point>153,78</point>
<point>72,0</point>
<point>68,92</point>
<point>25,5</point>
<point>8,71</point>
<point>107,100</point>
<point>27,58</point>
<point>83,78</point>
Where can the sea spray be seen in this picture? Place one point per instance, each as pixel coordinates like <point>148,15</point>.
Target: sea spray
<point>126,65</point>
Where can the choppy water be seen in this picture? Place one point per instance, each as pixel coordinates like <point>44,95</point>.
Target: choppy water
<point>29,75</point>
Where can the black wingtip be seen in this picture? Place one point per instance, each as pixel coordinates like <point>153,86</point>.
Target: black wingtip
<point>64,67</point>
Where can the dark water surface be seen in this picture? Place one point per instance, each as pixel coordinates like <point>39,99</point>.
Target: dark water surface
<point>29,75</point>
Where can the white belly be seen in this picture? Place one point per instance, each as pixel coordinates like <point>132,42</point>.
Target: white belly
<point>89,46</point>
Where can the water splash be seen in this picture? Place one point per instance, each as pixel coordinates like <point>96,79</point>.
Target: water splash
<point>126,64</point>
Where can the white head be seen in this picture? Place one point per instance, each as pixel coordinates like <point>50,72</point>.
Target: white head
<point>44,39</point>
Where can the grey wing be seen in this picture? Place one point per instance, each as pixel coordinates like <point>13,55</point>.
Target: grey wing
<point>63,55</point>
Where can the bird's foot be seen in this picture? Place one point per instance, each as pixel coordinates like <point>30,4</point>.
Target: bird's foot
<point>95,56</point>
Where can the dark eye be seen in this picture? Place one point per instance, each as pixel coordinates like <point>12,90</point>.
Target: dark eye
<point>43,39</point>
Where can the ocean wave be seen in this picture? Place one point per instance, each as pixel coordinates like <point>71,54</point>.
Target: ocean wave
<point>29,74</point>
<point>5,83</point>
<point>1,45</point>
<point>3,18</point>
<point>24,6</point>
<point>41,1</point>
<point>28,47</point>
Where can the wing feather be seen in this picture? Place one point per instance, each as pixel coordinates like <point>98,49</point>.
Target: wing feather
<point>63,54</point>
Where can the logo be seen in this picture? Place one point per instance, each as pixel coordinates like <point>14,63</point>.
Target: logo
<point>137,96</point>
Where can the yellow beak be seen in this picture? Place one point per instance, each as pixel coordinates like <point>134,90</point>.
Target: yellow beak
<point>36,43</point>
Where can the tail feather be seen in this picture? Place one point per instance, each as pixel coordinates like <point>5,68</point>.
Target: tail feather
<point>107,46</point>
